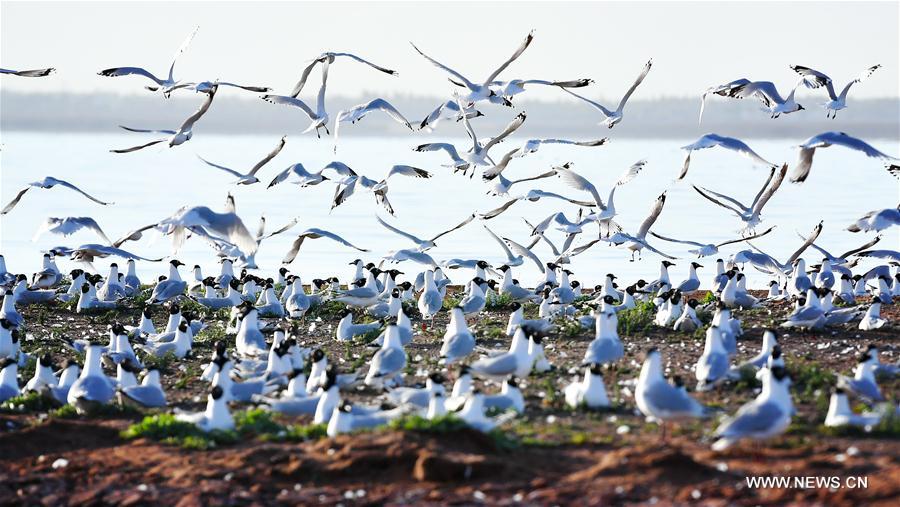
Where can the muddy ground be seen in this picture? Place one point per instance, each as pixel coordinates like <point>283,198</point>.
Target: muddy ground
<point>550,455</point>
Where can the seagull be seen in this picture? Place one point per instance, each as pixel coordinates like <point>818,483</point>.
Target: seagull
<point>181,136</point>
<point>729,143</point>
<point>888,255</point>
<point>304,177</point>
<point>840,414</point>
<point>478,154</point>
<point>315,233</point>
<point>532,145</point>
<point>877,220</point>
<point>348,185</point>
<point>750,215</point>
<point>764,91</point>
<point>206,86</point>
<point>826,139</point>
<point>533,196</point>
<point>705,250</point>
<point>449,109</point>
<point>590,392</point>
<point>165,84</point>
<point>480,91</point>
<point>29,73</point>
<point>423,245</point>
<point>319,118</point>
<point>661,400</point>
<point>611,118</point>
<point>508,89</point>
<point>638,242</point>
<point>68,226</point>
<point>815,79</point>
<point>202,220</point>
<point>357,113</point>
<point>502,185</point>
<point>328,58</point>
<point>767,416</point>
<point>250,177</point>
<point>215,417</point>
<point>48,182</point>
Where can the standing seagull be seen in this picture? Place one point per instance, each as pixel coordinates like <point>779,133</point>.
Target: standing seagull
<point>165,84</point>
<point>48,182</point>
<point>614,117</point>
<point>815,79</point>
<point>826,139</point>
<point>750,215</point>
<point>29,73</point>
<point>328,58</point>
<point>182,135</point>
<point>729,143</point>
<point>250,177</point>
<point>480,91</point>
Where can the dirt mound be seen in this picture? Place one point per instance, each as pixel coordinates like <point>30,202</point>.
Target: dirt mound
<point>57,436</point>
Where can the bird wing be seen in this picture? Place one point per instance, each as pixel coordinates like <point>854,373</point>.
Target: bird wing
<point>673,240</point>
<point>634,86</point>
<point>865,74</point>
<point>815,79</point>
<point>82,192</point>
<point>284,228</point>
<point>290,101</point>
<point>532,178</point>
<point>631,172</point>
<point>189,122</point>
<point>132,236</point>
<point>146,131</point>
<point>812,237</point>
<point>370,64</point>
<point>654,214</point>
<point>525,252</point>
<point>181,49</point>
<point>408,170</point>
<point>303,76</point>
<point>521,49</point>
<point>446,147</point>
<point>891,255</point>
<point>768,191</point>
<point>232,172</point>
<point>606,112</point>
<point>446,69</point>
<point>272,154</point>
<point>503,245</point>
<point>129,71</point>
<point>579,182</point>
<point>406,235</point>
<point>16,199</point>
<point>458,226</point>
<point>746,238</point>
<point>255,89</point>
<point>89,223</point>
<point>510,128</point>
<point>29,73</point>
<point>497,211</point>
<point>705,193</point>
<point>285,174</point>
<point>870,244</point>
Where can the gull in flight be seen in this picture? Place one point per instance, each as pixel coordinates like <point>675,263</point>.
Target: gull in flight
<point>481,91</point>
<point>68,226</point>
<point>250,177</point>
<point>29,73</point>
<point>521,252</point>
<point>533,196</point>
<point>532,145</point>
<point>708,249</point>
<point>815,79</point>
<point>611,118</point>
<point>637,242</point>
<point>508,89</point>
<point>501,184</point>
<point>314,233</point>
<point>47,182</point>
<point>423,245</point>
<point>182,135</point>
<point>206,222</point>
<point>729,143</point>
<point>318,118</point>
<point>164,84</point>
<point>206,86</point>
<point>357,113</point>
<point>764,91</point>
<point>348,185</point>
<point>87,253</point>
<point>750,215</point>
<point>768,264</point>
<point>449,109</point>
<point>328,58</point>
<point>877,220</point>
<point>826,139</point>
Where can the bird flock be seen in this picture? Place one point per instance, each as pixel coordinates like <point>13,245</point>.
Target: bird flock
<point>262,361</point>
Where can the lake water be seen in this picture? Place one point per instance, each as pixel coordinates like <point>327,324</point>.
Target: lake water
<point>152,184</point>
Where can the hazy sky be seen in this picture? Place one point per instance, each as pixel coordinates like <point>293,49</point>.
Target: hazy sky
<point>693,45</point>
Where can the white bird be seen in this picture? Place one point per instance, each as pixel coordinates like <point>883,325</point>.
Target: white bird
<point>424,245</point>
<point>729,143</point>
<point>658,399</point>
<point>458,340</point>
<point>29,73</point>
<point>532,145</point>
<point>68,226</point>
<point>826,139</point>
<point>318,118</point>
<point>315,233</point>
<point>877,220</point>
<point>764,91</point>
<point>521,252</point>
<point>611,118</point>
<point>215,417</point>
<point>357,113</point>
<point>347,187</point>
<point>765,417</point>
<point>48,182</point>
<point>480,91</point>
<point>589,392</point>
<point>750,215</point>
<point>872,319</point>
<point>706,249</point>
<point>250,177</point>
<point>815,79</point>
<point>840,414</point>
<point>163,84</point>
<point>449,109</point>
<point>175,137</point>
<point>201,219</point>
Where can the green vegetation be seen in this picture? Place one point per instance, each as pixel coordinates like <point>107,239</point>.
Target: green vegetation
<point>809,379</point>
<point>256,422</point>
<point>637,319</point>
<point>303,433</point>
<point>443,424</point>
<point>163,364</point>
<point>110,410</point>
<point>30,402</point>
<point>497,302</point>
<point>328,310</point>
<point>167,429</point>
<point>747,379</point>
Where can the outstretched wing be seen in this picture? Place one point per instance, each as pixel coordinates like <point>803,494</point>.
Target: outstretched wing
<point>521,49</point>
<point>634,86</point>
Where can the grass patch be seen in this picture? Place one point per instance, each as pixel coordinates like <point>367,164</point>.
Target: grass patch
<point>257,422</point>
<point>107,411</point>
<point>167,429</point>
<point>308,432</point>
<point>887,427</point>
<point>443,424</point>
<point>809,378</point>
<point>637,319</point>
<point>747,379</point>
<point>497,302</point>
<point>163,364</point>
<point>328,310</point>
<point>30,402</point>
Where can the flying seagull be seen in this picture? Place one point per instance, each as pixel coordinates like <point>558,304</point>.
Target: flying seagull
<point>423,245</point>
<point>357,113</point>
<point>815,79</point>
<point>250,177</point>
<point>165,84</point>
<point>182,135</point>
<point>764,91</point>
<point>68,226</point>
<point>204,221</point>
<point>47,182</point>
<point>750,215</point>
<point>29,73</point>
<point>729,143</point>
<point>329,58</point>
<point>611,118</point>
<point>318,118</point>
<point>315,233</point>
<point>826,139</point>
<point>706,249</point>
